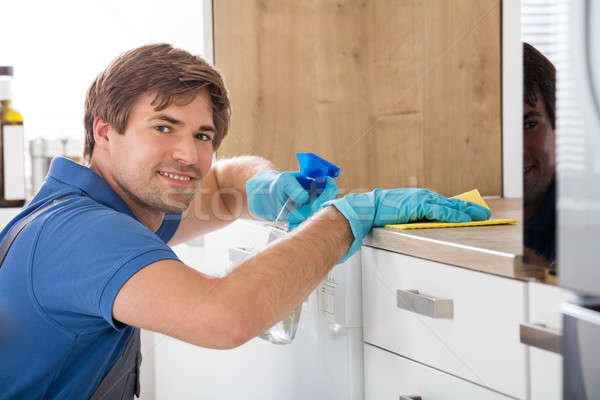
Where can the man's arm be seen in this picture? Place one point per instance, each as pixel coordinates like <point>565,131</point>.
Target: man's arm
<point>174,299</point>
<point>171,298</point>
<point>222,197</point>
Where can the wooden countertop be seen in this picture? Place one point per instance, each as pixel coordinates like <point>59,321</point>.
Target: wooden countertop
<point>494,249</point>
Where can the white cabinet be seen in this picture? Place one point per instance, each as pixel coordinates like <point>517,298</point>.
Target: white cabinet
<point>462,335</point>
<point>172,369</point>
<point>546,366</point>
<point>478,341</point>
<point>324,362</point>
<point>389,376</point>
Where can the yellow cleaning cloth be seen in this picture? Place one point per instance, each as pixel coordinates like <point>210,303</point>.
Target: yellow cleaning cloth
<point>474,197</point>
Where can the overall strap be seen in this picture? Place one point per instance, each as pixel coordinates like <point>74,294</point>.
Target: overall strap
<point>122,381</point>
<point>14,232</point>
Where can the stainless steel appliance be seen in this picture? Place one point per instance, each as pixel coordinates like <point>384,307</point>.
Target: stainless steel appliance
<point>578,208</point>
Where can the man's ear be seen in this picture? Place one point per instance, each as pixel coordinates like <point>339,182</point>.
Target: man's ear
<point>101,129</point>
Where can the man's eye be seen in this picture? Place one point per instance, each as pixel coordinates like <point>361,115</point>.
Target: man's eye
<point>204,137</point>
<point>529,124</point>
<point>163,129</point>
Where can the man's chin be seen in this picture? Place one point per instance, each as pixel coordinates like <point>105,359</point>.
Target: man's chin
<point>175,206</point>
<point>173,210</point>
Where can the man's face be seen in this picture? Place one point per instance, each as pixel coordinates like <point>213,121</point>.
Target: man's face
<point>160,159</point>
<point>538,151</point>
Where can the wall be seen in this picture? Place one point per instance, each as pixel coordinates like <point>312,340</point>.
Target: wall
<point>59,47</point>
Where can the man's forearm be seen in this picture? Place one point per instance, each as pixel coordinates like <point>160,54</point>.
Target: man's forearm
<point>268,285</point>
<point>231,175</point>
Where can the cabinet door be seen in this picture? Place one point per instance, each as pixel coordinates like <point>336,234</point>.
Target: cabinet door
<point>389,376</point>
<point>179,370</point>
<point>546,366</point>
<point>397,93</point>
<point>479,341</point>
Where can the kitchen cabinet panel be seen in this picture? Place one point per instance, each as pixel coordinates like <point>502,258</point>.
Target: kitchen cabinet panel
<point>546,366</point>
<point>388,376</point>
<point>395,92</point>
<point>461,96</point>
<point>477,341</point>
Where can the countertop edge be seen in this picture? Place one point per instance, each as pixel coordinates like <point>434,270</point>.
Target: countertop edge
<point>478,259</point>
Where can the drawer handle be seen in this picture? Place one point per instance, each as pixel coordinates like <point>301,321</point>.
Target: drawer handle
<point>411,397</point>
<point>434,307</point>
<point>542,337</point>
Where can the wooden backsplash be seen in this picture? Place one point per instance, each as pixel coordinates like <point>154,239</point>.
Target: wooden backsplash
<point>398,93</point>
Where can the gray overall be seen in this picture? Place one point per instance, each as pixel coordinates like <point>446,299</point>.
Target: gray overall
<point>123,379</point>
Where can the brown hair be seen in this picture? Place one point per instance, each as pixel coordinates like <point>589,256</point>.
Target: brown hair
<point>173,74</point>
<point>539,76</point>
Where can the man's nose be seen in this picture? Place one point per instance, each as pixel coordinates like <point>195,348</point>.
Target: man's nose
<point>184,150</point>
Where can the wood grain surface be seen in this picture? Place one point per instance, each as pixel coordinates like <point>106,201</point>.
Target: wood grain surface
<point>398,93</point>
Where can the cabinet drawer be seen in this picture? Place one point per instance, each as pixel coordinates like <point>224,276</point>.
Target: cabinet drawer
<point>544,304</point>
<point>546,366</point>
<point>479,342</point>
<point>388,376</point>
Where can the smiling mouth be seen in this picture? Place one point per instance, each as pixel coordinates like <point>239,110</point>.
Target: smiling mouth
<point>181,178</point>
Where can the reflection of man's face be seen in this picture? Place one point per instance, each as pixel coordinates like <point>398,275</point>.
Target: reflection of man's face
<point>538,152</point>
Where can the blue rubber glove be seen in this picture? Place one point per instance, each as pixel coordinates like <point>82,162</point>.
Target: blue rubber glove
<point>268,191</point>
<point>301,213</point>
<point>399,206</point>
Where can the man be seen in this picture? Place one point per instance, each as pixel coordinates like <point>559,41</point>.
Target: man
<point>539,188</point>
<point>86,271</point>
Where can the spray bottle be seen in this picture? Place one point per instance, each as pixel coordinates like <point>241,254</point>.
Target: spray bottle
<point>313,177</point>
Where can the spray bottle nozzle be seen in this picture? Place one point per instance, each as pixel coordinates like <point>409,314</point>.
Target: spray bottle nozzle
<point>315,169</point>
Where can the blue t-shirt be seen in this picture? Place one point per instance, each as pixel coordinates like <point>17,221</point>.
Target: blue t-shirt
<point>540,230</point>
<point>58,283</point>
